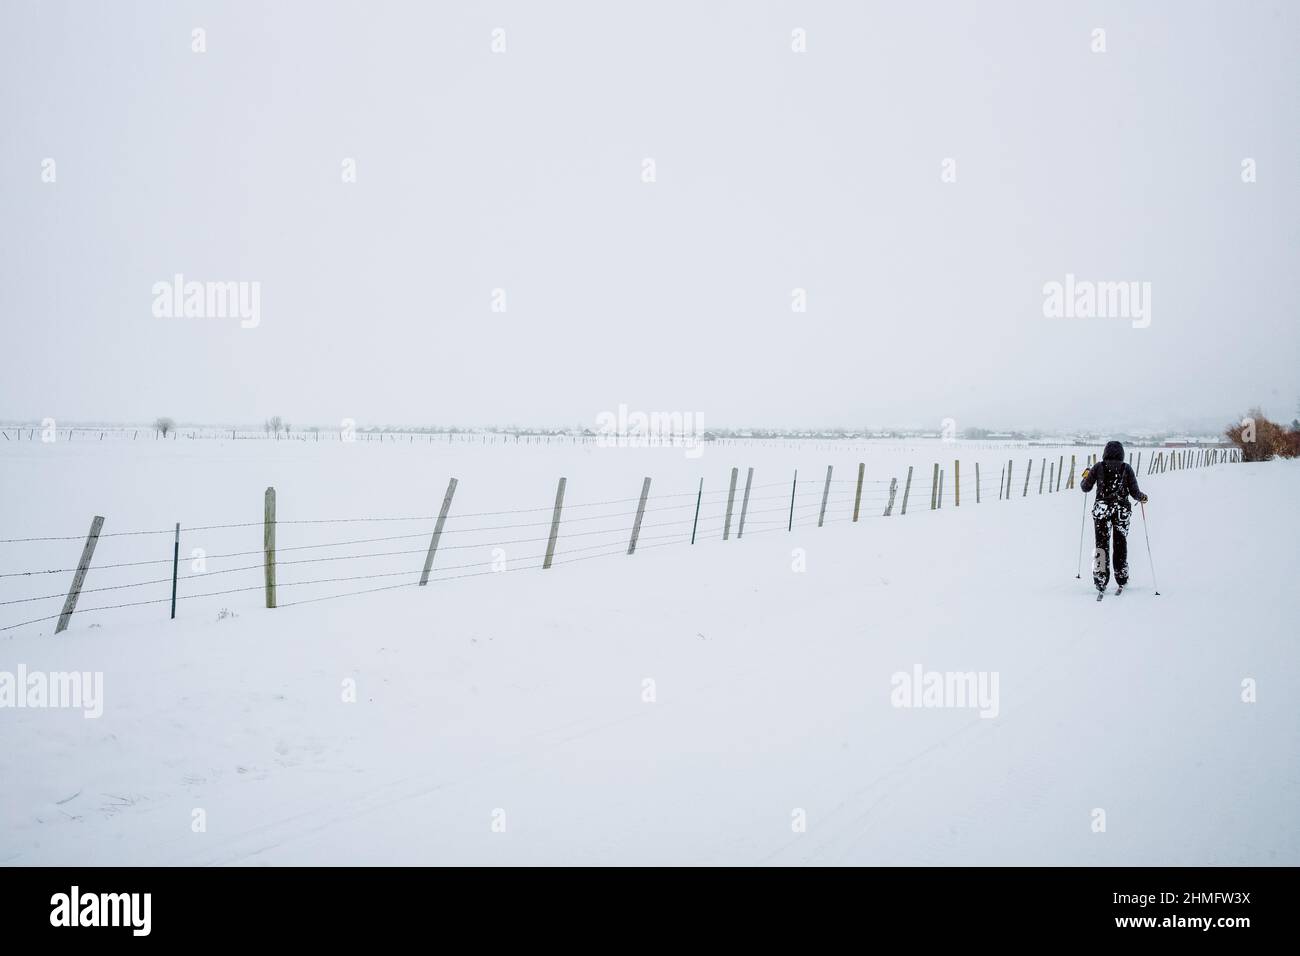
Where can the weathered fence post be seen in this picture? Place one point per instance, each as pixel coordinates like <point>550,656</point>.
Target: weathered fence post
<point>956,483</point>
<point>176,561</point>
<point>1002,481</point>
<point>555,524</point>
<point>977,482</point>
<point>1029,472</point>
<point>940,487</point>
<point>698,495</point>
<point>907,489</point>
<point>795,484</point>
<point>1060,467</point>
<point>934,487</point>
<point>731,500</point>
<point>78,579</point>
<point>857,499</point>
<point>893,488</point>
<point>1051,476</point>
<point>640,513</point>
<point>1070,481</point>
<point>437,531</point>
<point>1009,469</point>
<point>268,544</point>
<point>826,493</point>
<point>1138,469</point>
<point>744,503</point>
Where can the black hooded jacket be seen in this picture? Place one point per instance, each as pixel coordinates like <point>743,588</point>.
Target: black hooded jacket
<point>1113,477</point>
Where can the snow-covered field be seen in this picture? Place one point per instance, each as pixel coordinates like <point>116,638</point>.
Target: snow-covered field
<point>731,702</point>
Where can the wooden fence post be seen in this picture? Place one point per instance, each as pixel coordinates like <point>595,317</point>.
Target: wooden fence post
<point>1060,470</point>
<point>744,503</point>
<point>731,500</point>
<point>1070,482</point>
<point>1002,481</point>
<point>956,483</point>
<point>1138,469</point>
<point>1009,470</point>
<point>640,513</point>
<point>698,495</point>
<point>794,485</point>
<point>826,493</point>
<point>555,524</point>
<point>268,544</point>
<point>1051,475</point>
<point>934,486</point>
<point>78,579</point>
<point>437,531</point>
<point>857,499</point>
<point>977,482</point>
<point>907,489</point>
<point>893,488</point>
<point>1029,473</point>
<point>940,487</point>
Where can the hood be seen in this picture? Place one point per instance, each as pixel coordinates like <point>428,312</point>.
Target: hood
<point>1114,452</point>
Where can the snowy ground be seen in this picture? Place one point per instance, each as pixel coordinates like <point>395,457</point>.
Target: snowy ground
<point>503,718</point>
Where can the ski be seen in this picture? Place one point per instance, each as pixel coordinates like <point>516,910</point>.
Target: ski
<point>1100,595</point>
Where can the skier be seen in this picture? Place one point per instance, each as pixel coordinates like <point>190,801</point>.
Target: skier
<point>1115,482</point>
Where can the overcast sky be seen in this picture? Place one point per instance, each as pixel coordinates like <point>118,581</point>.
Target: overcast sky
<point>774,170</point>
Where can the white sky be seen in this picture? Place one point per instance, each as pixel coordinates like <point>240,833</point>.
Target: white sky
<point>775,170</point>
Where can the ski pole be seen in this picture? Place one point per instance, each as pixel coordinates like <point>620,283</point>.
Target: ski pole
<point>1083,522</point>
<point>1147,535</point>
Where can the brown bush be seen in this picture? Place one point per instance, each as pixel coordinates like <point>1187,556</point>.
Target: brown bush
<point>1260,439</point>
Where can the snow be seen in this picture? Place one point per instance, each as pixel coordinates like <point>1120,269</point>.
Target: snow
<point>503,718</point>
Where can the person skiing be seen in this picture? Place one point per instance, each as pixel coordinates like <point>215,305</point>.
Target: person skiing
<point>1115,483</point>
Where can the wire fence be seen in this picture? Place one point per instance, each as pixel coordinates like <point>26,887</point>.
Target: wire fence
<point>574,532</point>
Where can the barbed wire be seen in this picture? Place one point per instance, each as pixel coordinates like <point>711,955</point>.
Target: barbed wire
<point>797,510</point>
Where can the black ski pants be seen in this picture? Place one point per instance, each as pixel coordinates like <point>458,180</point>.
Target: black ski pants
<point>1108,516</point>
